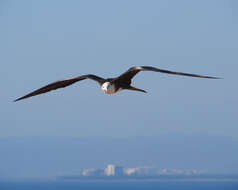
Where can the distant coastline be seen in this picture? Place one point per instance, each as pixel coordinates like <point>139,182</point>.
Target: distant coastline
<point>203,177</point>
<point>145,173</point>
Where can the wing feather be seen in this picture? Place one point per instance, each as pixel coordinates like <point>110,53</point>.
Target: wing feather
<point>128,75</point>
<point>61,84</point>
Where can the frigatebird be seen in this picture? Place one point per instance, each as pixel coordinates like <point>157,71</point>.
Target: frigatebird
<point>109,85</point>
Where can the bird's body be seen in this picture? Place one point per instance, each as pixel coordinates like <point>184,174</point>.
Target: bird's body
<point>110,85</point>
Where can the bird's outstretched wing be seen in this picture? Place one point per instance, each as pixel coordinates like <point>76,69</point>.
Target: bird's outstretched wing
<point>128,75</point>
<point>61,84</point>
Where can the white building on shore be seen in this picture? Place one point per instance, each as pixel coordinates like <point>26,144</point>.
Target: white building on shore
<point>112,170</point>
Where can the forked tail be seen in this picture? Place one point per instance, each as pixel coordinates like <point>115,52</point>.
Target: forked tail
<point>136,89</point>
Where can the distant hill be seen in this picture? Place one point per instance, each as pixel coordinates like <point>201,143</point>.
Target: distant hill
<point>51,156</point>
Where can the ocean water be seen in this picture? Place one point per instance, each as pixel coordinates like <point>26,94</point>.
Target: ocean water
<point>119,185</point>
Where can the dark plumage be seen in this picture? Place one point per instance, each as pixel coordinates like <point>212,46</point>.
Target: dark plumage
<point>110,85</point>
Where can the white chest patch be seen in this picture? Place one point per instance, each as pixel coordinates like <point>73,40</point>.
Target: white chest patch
<point>108,88</point>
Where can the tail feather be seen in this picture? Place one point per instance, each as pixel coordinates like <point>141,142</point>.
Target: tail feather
<point>136,89</point>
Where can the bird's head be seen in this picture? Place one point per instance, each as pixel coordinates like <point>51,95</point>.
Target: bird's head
<point>105,86</point>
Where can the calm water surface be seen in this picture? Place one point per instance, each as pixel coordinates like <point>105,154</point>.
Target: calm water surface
<point>123,185</point>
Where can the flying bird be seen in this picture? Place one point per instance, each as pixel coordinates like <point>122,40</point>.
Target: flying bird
<point>109,85</point>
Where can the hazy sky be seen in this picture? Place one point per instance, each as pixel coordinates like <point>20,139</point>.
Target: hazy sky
<point>44,41</point>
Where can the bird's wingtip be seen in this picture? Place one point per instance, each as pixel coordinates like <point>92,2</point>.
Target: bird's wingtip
<point>217,78</point>
<point>16,100</point>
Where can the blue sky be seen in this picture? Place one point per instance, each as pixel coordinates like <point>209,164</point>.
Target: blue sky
<point>44,41</point>
<point>190,118</point>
